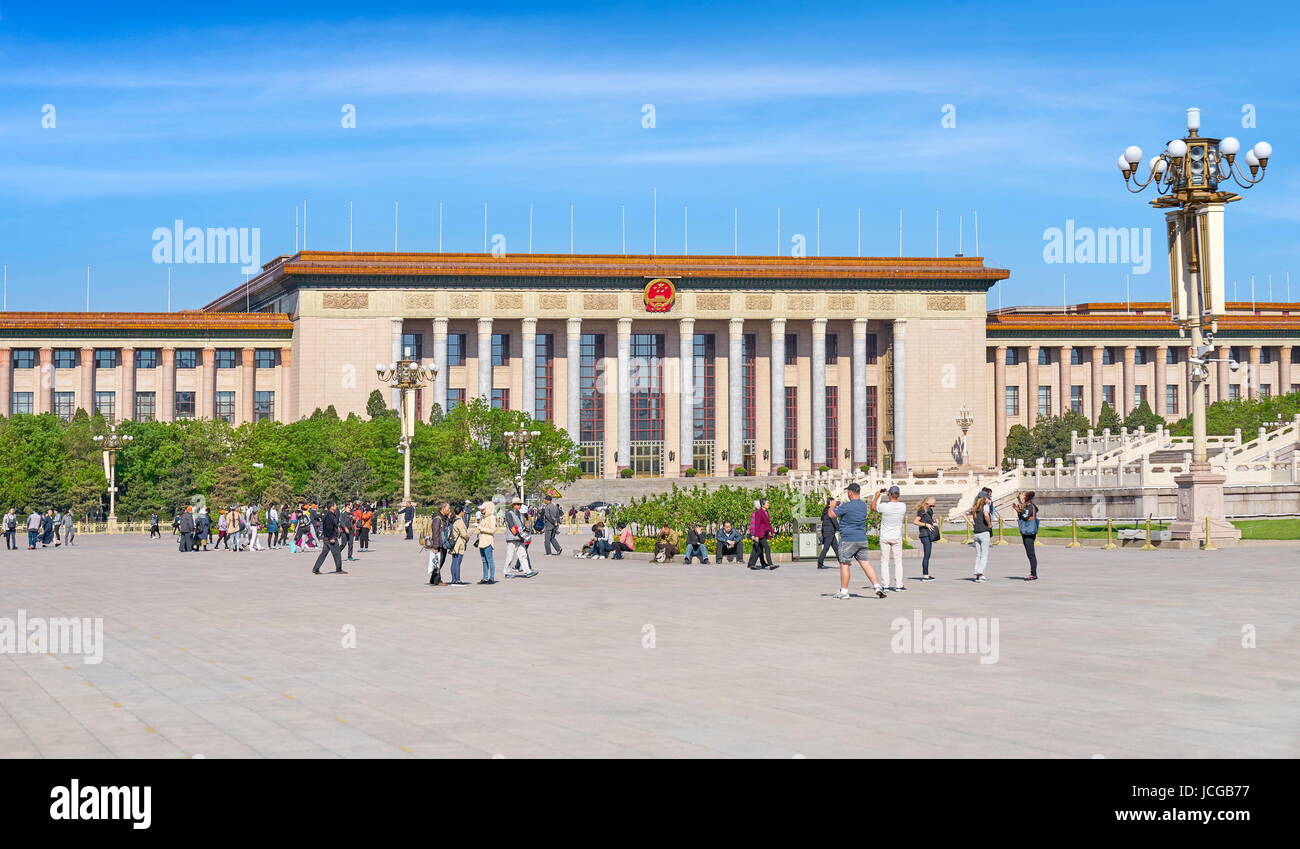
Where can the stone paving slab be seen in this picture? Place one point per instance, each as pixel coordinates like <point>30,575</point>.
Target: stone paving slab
<point>1121,654</point>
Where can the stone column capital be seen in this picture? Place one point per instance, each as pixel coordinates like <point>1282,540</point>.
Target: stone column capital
<point>530,324</point>
<point>440,324</point>
<point>859,328</point>
<point>574,324</point>
<point>485,323</point>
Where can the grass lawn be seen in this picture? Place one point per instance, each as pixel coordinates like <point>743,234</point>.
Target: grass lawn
<point>1286,528</point>
<point>1269,528</point>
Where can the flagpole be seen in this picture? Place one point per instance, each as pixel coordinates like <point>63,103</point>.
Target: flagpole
<point>349,226</point>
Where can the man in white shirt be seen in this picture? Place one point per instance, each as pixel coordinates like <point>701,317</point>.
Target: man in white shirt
<point>892,512</point>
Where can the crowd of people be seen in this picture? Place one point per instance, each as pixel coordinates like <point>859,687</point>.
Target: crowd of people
<point>53,527</point>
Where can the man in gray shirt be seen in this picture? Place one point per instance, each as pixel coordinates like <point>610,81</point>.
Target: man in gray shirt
<point>552,516</point>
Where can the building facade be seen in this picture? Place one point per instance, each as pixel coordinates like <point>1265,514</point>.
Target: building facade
<point>654,363</point>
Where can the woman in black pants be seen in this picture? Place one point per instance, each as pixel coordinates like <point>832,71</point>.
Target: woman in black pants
<point>1027,521</point>
<point>927,533</point>
<point>830,526</point>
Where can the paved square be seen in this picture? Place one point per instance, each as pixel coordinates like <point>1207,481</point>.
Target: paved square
<point>1119,654</point>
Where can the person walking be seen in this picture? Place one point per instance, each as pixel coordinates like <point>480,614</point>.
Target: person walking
<point>1027,522</point>
<point>487,528</point>
<point>927,533</point>
<point>272,526</point>
<point>33,529</point>
<point>760,531</point>
<point>829,531</point>
<point>185,528</point>
<point>235,529</point>
<point>440,535</point>
<point>573,515</point>
<point>47,528</point>
<point>347,529</point>
<point>56,517</point>
<point>695,546</point>
<point>367,525</point>
<point>154,530</point>
<point>459,540</point>
<point>408,519</point>
<point>202,530</point>
<point>552,516</point>
<point>892,511</point>
<point>10,530</point>
<point>285,520</point>
<point>254,523</point>
<point>730,543</point>
<point>852,514</point>
<point>329,524</point>
<point>982,526</point>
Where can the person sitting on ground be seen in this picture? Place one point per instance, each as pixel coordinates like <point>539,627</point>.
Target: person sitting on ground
<point>695,546</point>
<point>600,541</point>
<point>623,542</point>
<point>731,544</point>
<point>667,545</point>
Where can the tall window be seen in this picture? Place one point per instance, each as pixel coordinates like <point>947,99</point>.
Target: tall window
<point>501,399</point>
<point>1139,396</point>
<point>455,349</point>
<point>749,383</point>
<point>544,368</point>
<point>65,405</point>
<point>646,387</point>
<point>106,405</point>
<point>65,358</point>
<point>1013,401</point>
<point>1266,355</point>
<point>455,397</point>
<point>265,358</point>
<point>21,402</point>
<point>1107,356</point>
<point>1171,398</point>
<point>184,406</point>
<point>1013,356</point>
<point>1076,399</point>
<point>1266,390</point>
<point>145,406</point>
<point>1234,392</point>
<point>24,358</point>
<point>792,426</point>
<point>1076,356</point>
<point>225,358</point>
<point>187,358</point>
<point>832,426</point>
<point>146,358</point>
<point>1140,356</point>
<point>1044,400</point>
<point>225,406</point>
<point>871,349</point>
<point>873,420</point>
<point>1108,395</point>
<point>1171,356</point>
<point>263,406</point>
<point>591,388</point>
<point>706,385</point>
<point>791,349</point>
<point>500,349</point>
<point>412,346</point>
<point>832,348</point>
<point>1044,356</point>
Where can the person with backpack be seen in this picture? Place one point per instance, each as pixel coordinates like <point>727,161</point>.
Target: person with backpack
<point>982,533</point>
<point>439,543</point>
<point>455,541</point>
<point>517,539</point>
<point>11,530</point>
<point>760,531</point>
<point>153,527</point>
<point>1027,522</point>
<point>927,533</point>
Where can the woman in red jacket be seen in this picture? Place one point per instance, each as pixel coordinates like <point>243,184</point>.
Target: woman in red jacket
<point>760,531</point>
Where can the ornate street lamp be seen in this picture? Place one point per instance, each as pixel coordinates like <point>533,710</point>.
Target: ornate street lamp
<point>517,447</point>
<point>964,421</point>
<point>1187,176</point>
<point>406,376</point>
<point>111,443</point>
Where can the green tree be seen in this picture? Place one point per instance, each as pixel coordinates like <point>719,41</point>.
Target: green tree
<point>377,408</point>
<point>1107,418</point>
<point>1142,416</point>
<point>1021,445</point>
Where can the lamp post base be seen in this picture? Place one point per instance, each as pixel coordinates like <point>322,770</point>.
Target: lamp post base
<point>1200,508</point>
<point>111,526</point>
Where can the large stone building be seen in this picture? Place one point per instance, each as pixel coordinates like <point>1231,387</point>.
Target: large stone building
<point>654,363</point>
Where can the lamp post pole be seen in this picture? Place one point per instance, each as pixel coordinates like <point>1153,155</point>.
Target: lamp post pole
<point>517,443</point>
<point>111,443</point>
<point>406,376</point>
<point>964,421</point>
<point>1187,176</point>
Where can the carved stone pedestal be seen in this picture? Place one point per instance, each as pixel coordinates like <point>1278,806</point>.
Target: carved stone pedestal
<point>1200,497</point>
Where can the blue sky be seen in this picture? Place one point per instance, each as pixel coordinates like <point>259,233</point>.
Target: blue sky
<point>229,115</point>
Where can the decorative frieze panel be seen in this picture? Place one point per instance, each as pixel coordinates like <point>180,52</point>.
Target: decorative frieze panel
<point>420,301</point>
<point>713,302</point>
<point>464,300</point>
<point>508,300</point>
<point>554,301</point>
<point>845,303</point>
<point>599,301</point>
<point>945,303</point>
<point>758,302</point>
<point>345,301</point>
<point>799,303</point>
<point>882,303</point>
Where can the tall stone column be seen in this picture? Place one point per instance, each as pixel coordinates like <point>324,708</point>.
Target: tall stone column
<point>624,392</point>
<point>126,387</point>
<point>206,406</point>
<point>395,395</point>
<point>1098,351</point>
<point>1126,404</point>
<point>529,357</point>
<point>6,380</point>
<point>900,396</point>
<point>248,385</point>
<point>1063,354</point>
<point>735,393</point>
<point>440,363</point>
<point>1031,378</point>
<point>1224,354</point>
<point>166,406</point>
<point>818,401</point>
<point>1253,377</point>
<point>778,393</point>
<point>44,393</point>
<point>485,359</point>
<point>573,377</point>
<point>686,407</point>
<point>859,369</point>
<point>1162,354</point>
<point>999,402</point>
<point>1283,370</point>
<point>86,397</point>
<point>284,410</point>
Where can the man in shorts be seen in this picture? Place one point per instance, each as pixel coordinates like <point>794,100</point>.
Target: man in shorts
<point>852,514</point>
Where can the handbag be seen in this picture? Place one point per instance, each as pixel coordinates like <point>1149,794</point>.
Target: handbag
<point>1027,526</point>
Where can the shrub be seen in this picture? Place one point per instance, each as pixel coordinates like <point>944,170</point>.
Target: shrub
<point>783,470</point>
<point>740,471</point>
<point>690,471</point>
<point>625,473</point>
<point>823,468</point>
<point>864,468</point>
